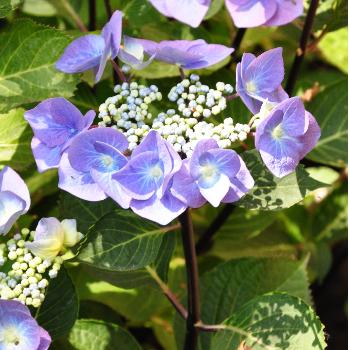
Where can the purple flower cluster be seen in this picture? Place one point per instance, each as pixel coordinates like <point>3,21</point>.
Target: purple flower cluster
<point>93,51</point>
<point>245,13</point>
<point>285,132</point>
<point>19,330</point>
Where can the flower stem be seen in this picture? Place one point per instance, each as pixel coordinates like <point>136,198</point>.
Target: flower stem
<point>238,38</point>
<point>192,332</point>
<point>74,16</point>
<point>168,293</point>
<point>237,42</point>
<point>118,71</point>
<point>181,72</point>
<point>108,8</point>
<point>205,241</point>
<point>92,15</point>
<point>300,52</point>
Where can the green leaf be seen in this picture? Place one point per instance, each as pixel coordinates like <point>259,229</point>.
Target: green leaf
<point>215,7</point>
<point>5,8</point>
<point>228,286</point>
<point>241,225</point>
<point>137,278</point>
<point>123,241</point>
<point>272,322</point>
<point>331,14</point>
<point>271,192</point>
<point>27,65</point>
<point>40,8</point>
<point>15,138</point>
<point>137,305</point>
<point>330,221</point>
<point>331,111</point>
<point>98,335</point>
<point>60,308</point>
<point>336,42</point>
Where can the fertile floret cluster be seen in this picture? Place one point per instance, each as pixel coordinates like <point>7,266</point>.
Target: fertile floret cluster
<point>129,110</point>
<point>25,277</point>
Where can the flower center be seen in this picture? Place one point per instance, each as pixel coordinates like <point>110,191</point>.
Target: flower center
<point>251,87</point>
<point>209,173</point>
<point>10,336</point>
<point>107,160</point>
<point>277,133</point>
<point>155,172</point>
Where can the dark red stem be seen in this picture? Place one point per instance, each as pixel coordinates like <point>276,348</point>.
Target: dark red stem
<point>192,332</point>
<point>301,51</point>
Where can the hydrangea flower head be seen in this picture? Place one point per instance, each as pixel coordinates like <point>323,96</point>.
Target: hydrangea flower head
<point>53,237</point>
<point>55,122</point>
<point>92,51</point>
<point>286,136</point>
<point>92,159</point>
<point>254,13</point>
<point>259,79</point>
<point>19,330</point>
<point>188,54</point>
<point>211,174</point>
<point>191,12</point>
<point>14,198</point>
<point>147,178</point>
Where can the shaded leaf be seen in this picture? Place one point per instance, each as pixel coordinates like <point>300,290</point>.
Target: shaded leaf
<point>331,111</point>
<point>241,225</point>
<point>86,213</point>
<point>271,192</point>
<point>272,322</point>
<point>123,241</point>
<point>60,308</point>
<point>98,335</point>
<point>228,286</point>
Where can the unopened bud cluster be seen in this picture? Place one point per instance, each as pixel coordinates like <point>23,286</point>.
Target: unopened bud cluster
<point>23,276</point>
<point>129,110</point>
<point>197,100</point>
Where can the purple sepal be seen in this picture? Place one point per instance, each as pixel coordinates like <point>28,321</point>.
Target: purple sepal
<point>189,12</point>
<point>79,184</point>
<point>194,54</point>
<point>93,51</point>
<point>55,123</point>
<point>255,13</point>
<point>14,198</point>
<point>161,210</point>
<point>259,79</point>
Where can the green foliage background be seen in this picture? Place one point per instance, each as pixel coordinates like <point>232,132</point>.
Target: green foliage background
<point>279,238</point>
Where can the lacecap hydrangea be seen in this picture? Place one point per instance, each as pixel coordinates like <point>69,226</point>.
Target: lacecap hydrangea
<point>185,156</point>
